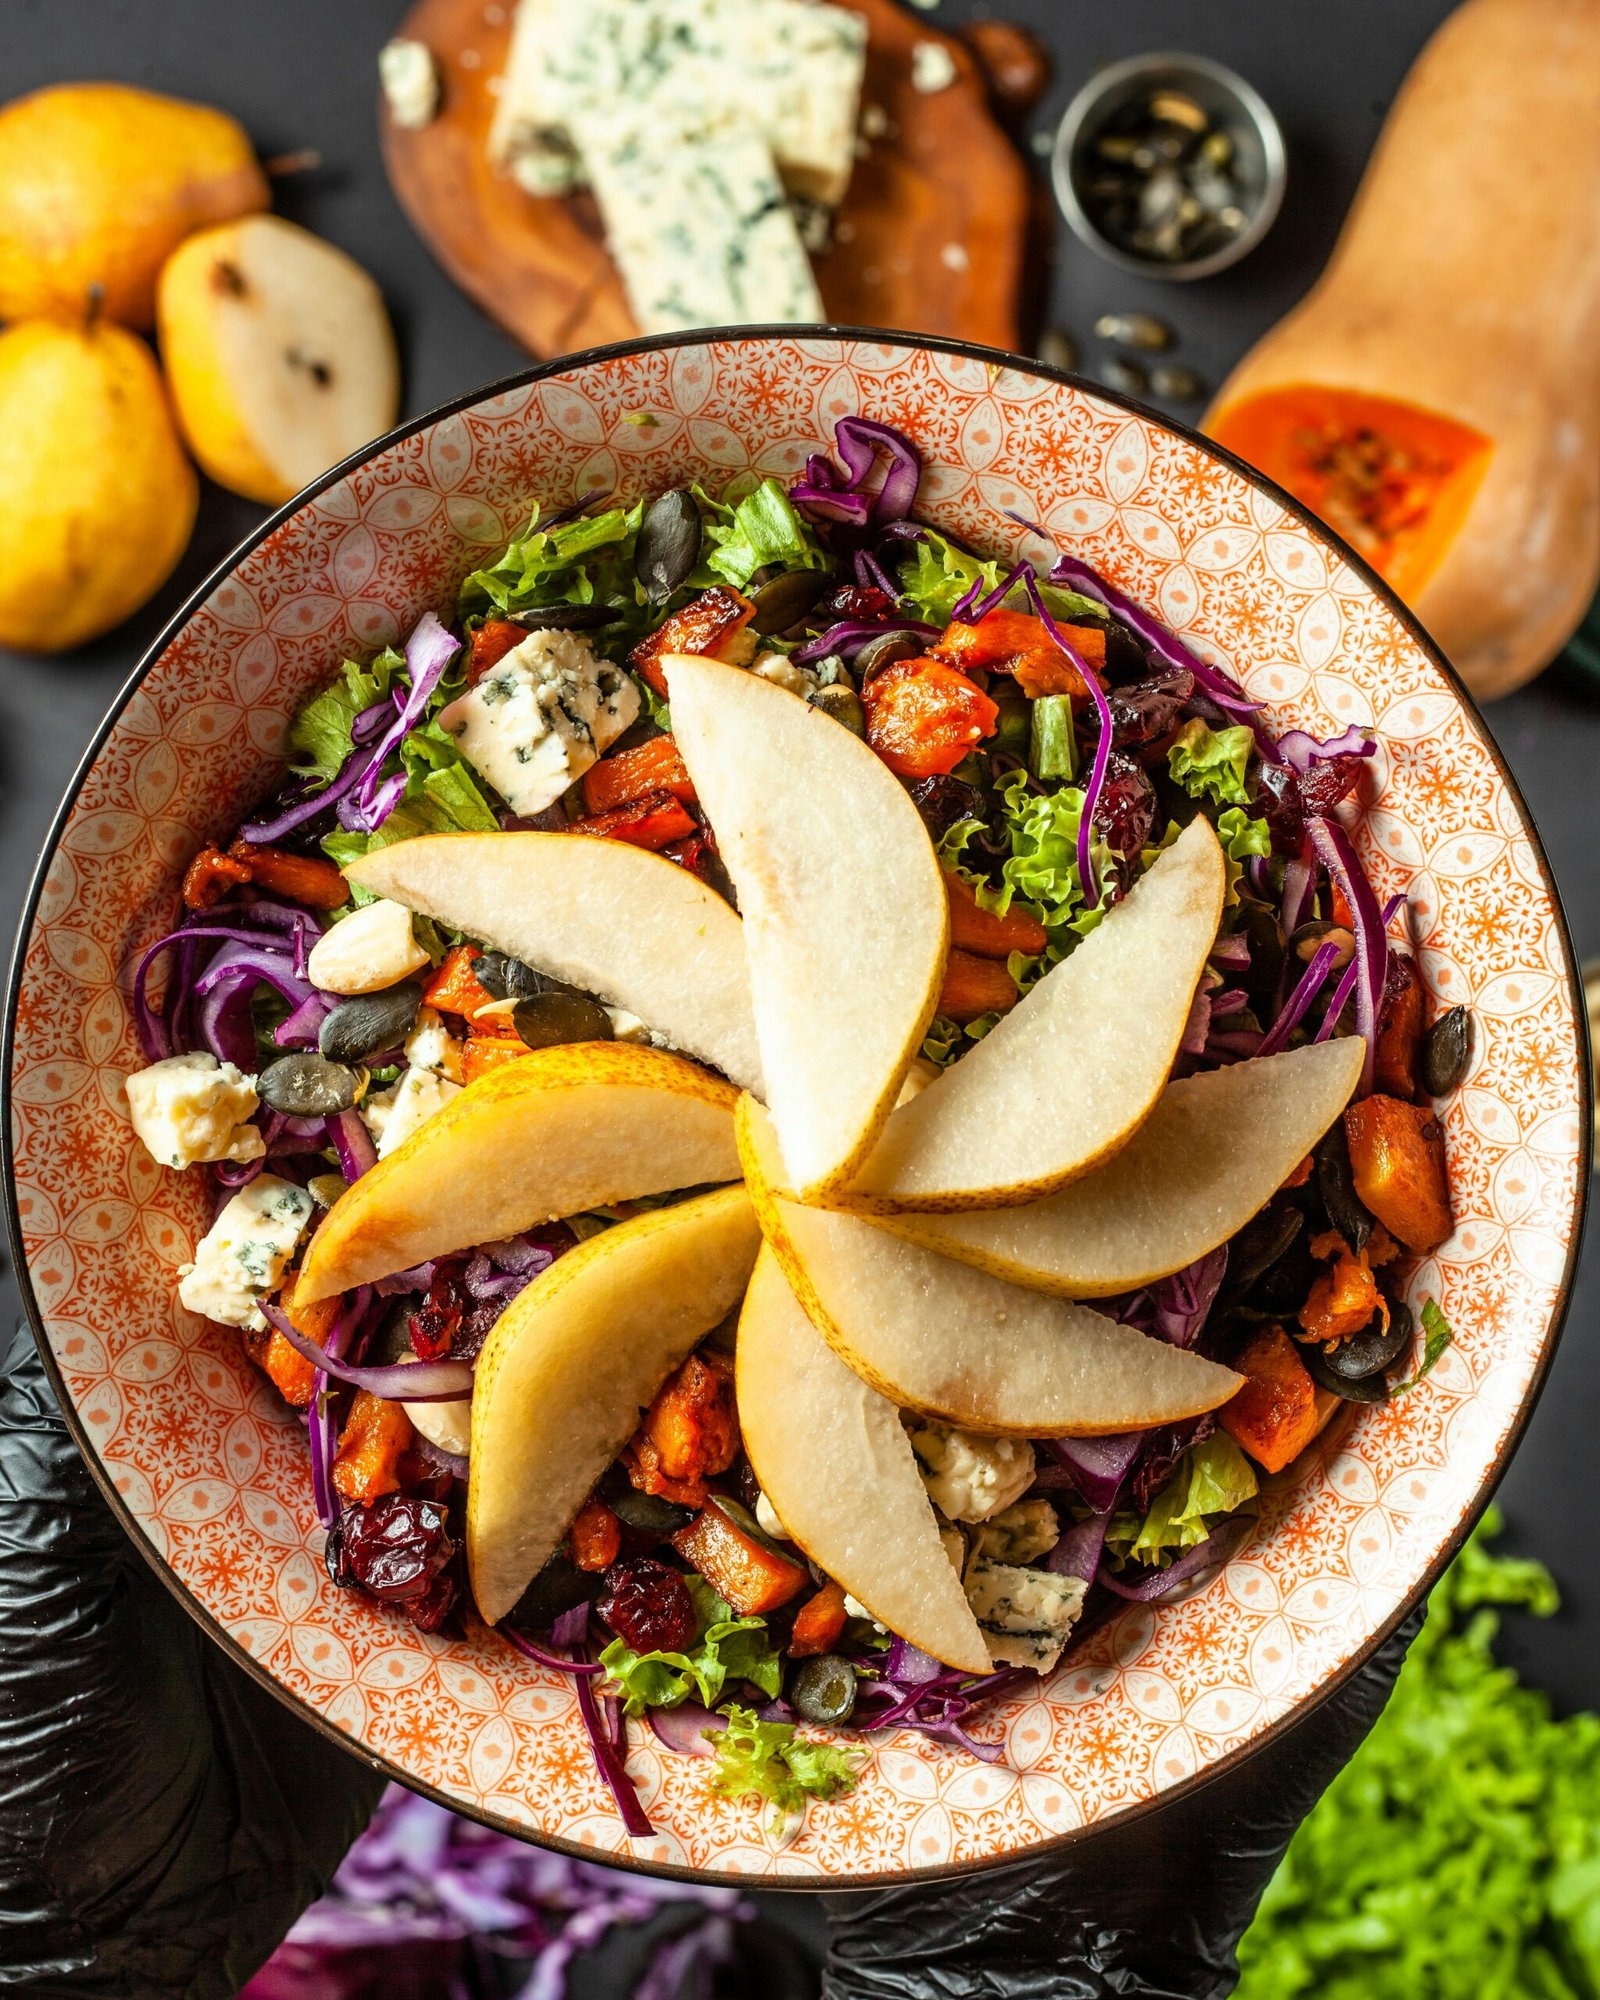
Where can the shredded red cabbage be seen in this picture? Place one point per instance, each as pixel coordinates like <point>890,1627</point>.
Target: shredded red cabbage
<point>322,1425</point>
<point>1099,1465</point>
<point>1299,890</point>
<point>976,603</point>
<point>353,1143</point>
<point>305,805</point>
<point>1232,953</point>
<point>936,1705</point>
<point>860,443</point>
<point>1307,987</point>
<point>1215,1550</point>
<point>1175,1309</point>
<point>429,650</point>
<point>1302,751</point>
<point>395,1382</point>
<point>1338,856</point>
<point>542,1656</point>
<point>1079,1550</point>
<point>1094,784</point>
<point>683,1729</point>
<point>605,1730</point>
<point>849,635</point>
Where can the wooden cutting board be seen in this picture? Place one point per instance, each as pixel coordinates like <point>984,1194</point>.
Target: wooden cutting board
<point>930,238</point>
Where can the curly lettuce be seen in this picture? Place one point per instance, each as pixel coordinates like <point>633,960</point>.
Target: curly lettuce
<point>772,1762</point>
<point>1211,763</point>
<point>726,1648</point>
<point>1212,1480</point>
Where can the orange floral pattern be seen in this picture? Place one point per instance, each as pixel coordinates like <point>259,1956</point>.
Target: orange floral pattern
<point>212,1471</point>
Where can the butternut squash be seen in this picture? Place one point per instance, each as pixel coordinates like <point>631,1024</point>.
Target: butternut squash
<point>1436,396</point>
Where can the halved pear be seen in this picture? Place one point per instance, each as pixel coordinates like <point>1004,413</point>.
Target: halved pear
<point>1213,1150</point>
<point>561,1131</point>
<point>573,1364</point>
<point>1070,1074</point>
<point>954,1343</point>
<point>845,916</point>
<point>834,1460</point>
<point>631,927</point>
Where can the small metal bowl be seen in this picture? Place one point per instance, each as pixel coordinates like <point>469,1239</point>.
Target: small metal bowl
<point>1239,109</point>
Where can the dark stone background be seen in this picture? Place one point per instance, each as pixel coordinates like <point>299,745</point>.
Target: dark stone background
<point>301,73</point>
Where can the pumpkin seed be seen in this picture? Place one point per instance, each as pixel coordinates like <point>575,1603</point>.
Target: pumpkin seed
<point>547,1020</point>
<point>1365,1389</point>
<point>1259,1245</point>
<point>1336,1184</point>
<point>307,1086</point>
<point>1446,1052</point>
<point>882,652</point>
<point>843,706</point>
<point>1135,329</point>
<point>1058,349</point>
<point>783,600</point>
<point>1126,377</point>
<point>505,978</point>
<point>1375,1347</point>
<point>1177,384</point>
<point>325,1189</point>
<point>669,544</point>
<point>565,617</point>
<point>360,1027</point>
<point>824,1690</point>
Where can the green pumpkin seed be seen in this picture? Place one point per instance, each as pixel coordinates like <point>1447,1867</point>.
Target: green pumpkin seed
<point>669,544</point>
<point>307,1086</point>
<point>843,706</point>
<point>548,1020</point>
<point>1446,1052</point>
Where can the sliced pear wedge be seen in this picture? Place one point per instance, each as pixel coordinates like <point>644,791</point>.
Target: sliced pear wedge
<point>845,916</point>
<point>834,1460</point>
<point>628,926</point>
<point>1068,1076</point>
<point>953,1343</point>
<point>575,1361</point>
<point>556,1133</point>
<point>1213,1150</point>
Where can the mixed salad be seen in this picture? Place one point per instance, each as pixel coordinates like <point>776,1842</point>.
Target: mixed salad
<point>1056,741</point>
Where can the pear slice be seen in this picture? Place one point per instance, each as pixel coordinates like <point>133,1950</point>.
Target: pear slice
<point>833,1458</point>
<point>279,353</point>
<point>627,925</point>
<point>1068,1076</point>
<point>846,921</point>
<point>574,1362</point>
<point>556,1133</point>
<point>1213,1150</point>
<point>956,1344</point>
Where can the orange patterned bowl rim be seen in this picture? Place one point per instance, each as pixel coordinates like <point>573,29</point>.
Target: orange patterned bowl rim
<point>211,1480</point>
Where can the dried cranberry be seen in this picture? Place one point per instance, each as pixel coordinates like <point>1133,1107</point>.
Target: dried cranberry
<point>434,1323</point>
<point>1147,709</point>
<point>1166,1446</point>
<point>1126,658</point>
<point>1325,784</point>
<point>858,602</point>
<point>1282,804</point>
<point>1125,811</point>
<point>396,1550</point>
<point>648,1606</point>
<point>944,800</point>
<point>429,1611</point>
<point>477,1323</point>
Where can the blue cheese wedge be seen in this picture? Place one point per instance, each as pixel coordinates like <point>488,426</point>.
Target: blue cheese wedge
<point>972,1478</point>
<point>190,1108</point>
<point>392,1115</point>
<point>1026,1615</point>
<point>540,717</point>
<point>697,223</point>
<point>1019,1534</point>
<point>791,69</point>
<point>242,1257</point>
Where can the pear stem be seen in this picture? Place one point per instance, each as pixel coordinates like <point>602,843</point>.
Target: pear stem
<point>94,306</point>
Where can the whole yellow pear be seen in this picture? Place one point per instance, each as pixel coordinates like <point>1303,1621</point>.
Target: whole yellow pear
<point>97,499</point>
<point>99,183</point>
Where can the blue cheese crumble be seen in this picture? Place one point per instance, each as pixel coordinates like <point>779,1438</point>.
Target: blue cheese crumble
<point>242,1257</point>
<point>972,1478</point>
<point>191,1108</point>
<point>541,717</point>
<point>1026,1615</point>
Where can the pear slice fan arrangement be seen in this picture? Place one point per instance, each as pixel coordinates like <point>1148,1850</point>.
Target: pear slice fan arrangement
<point>930,1258</point>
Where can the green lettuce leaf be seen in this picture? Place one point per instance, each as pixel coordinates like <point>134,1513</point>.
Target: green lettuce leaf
<point>1211,763</point>
<point>319,736</point>
<point>935,575</point>
<point>726,1648</point>
<point>761,529</point>
<point>772,1761</point>
<point>1457,1854</point>
<point>586,561</point>
<point>1437,1335</point>
<point>1212,1479</point>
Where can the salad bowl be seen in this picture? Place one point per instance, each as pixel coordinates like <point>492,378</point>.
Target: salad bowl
<point>207,1469</point>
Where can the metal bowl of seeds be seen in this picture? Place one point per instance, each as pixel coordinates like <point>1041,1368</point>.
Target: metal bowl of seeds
<point>1170,165</point>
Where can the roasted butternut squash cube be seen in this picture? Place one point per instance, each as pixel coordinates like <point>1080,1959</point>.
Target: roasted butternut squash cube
<point>1397,1160</point>
<point>376,1436</point>
<point>1274,1416</point>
